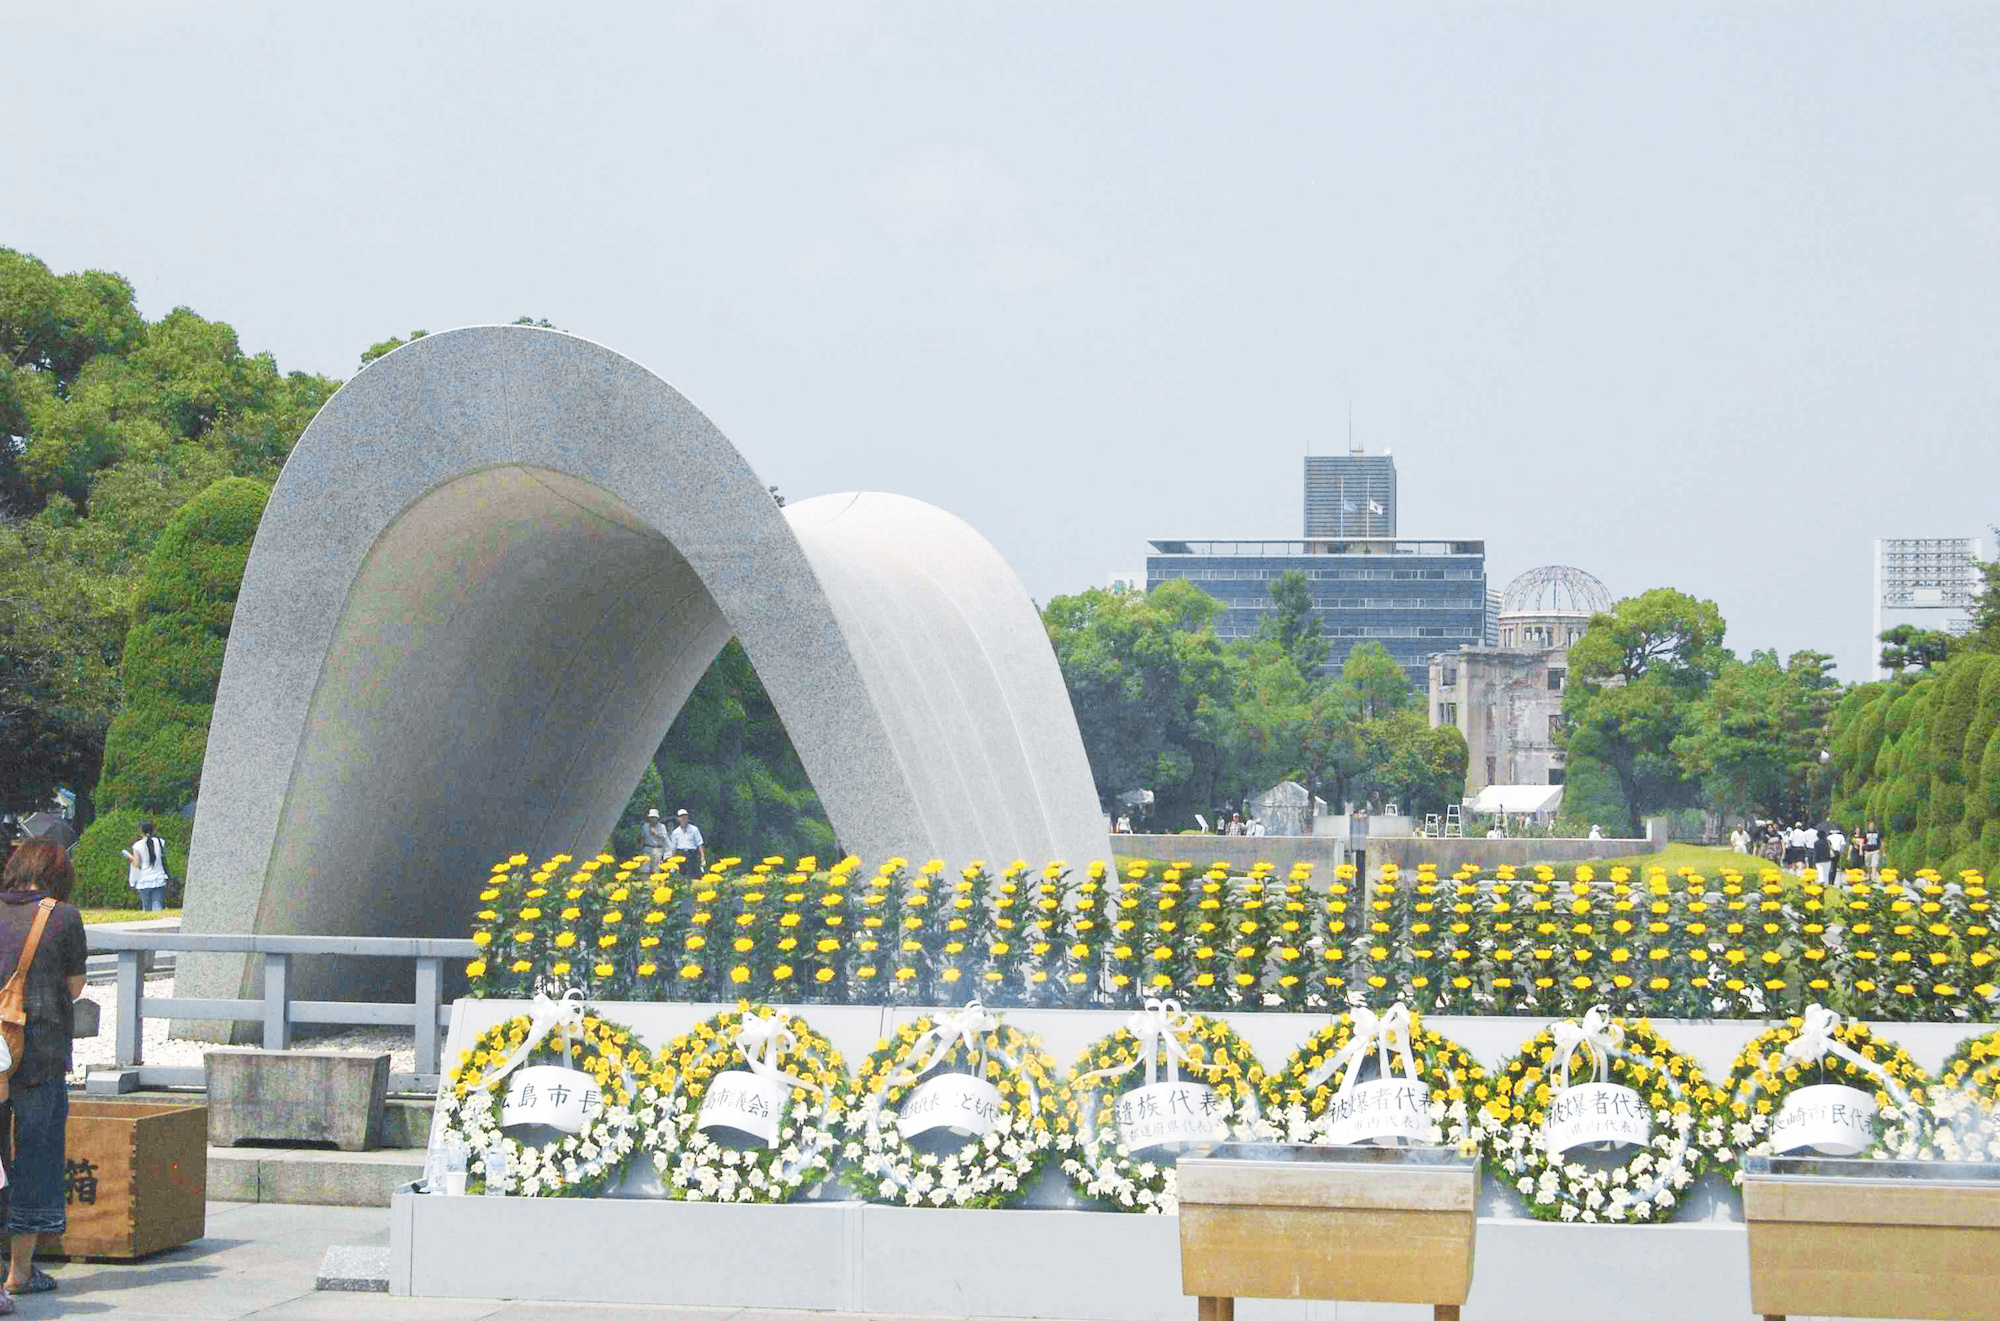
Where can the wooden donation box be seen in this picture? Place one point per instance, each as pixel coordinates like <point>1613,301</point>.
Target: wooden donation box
<point>136,1178</point>
<point>1350,1224</point>
<point>1873,1238</point>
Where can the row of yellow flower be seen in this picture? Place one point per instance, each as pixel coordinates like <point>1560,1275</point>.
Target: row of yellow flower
<point>1509,941</point>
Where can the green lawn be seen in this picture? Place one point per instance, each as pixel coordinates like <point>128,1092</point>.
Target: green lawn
<point>95,915</point>
<point>1707,860</point>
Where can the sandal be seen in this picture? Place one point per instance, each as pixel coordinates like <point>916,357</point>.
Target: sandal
<point>6,1303</point>
<point>39,1281</point>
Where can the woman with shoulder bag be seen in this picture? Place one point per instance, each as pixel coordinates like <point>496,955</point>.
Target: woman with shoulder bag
<point>42,956</point>
<point>147,872</point>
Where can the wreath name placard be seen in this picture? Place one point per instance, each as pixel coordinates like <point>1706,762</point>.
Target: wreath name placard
<point>1384,1110</point>
<point>1599,1111</point>
<point>956,1110</point>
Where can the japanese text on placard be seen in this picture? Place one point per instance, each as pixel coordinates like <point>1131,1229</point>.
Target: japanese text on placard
<point>1598,1112</point>
<point>1383,1108</point>
<point>1170,1112</point>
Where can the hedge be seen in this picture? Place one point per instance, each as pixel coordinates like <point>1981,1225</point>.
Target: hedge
<point>100,855</point>
<point>173,652</point>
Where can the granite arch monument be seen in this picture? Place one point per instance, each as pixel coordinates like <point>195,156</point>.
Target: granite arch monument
<point>493,569</point>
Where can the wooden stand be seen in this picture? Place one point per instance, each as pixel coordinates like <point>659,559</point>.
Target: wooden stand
<point>1352,1224</point>
<point>1837,1237</point>
<point>137,1178</point>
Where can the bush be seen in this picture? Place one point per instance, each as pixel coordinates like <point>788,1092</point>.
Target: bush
<point>173,654</point>
<point>100,855</point>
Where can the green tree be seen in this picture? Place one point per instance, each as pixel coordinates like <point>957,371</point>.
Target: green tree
<point>108,425</point>
<point>1293,625</point>
<point>728,760</point>
<point>1591,796</point>
<point>173,654</point>
<point>1410,764</point>
<point>1633,677</point>
<point>1377,685</point>
<point>1148,681</point>
<point>1754,738</point>
<point>1904,647</point>
<point>1984,634</point>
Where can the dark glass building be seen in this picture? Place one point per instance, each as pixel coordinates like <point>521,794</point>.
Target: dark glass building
<point>1414,597</point>
<point>1350,495</point>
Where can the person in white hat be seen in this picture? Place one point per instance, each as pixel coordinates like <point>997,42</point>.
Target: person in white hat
<point>658,838</point>
<point>686,839</point>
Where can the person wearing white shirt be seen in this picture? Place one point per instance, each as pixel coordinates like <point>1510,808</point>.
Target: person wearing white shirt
<point>686,839</point>
<point>147,872</point>
<point>1256,827</point>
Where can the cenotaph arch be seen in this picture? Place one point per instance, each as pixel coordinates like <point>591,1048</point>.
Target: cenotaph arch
<point>493,569</point>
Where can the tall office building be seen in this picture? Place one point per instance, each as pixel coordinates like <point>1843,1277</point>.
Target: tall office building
<point>1926,581</point>
<point>1414,597</point>
<point>1351,495</point>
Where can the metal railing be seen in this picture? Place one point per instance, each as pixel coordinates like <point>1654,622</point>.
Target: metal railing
<point>277,1010</point>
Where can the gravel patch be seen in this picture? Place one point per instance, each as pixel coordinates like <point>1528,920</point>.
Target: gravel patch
<point>156,1047</point>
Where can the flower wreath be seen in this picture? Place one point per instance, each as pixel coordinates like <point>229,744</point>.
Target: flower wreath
<point>990,1169</point>
<point>1781,1060</point>
<point>1647,1184</point>
<point>693,1165</point>
<point>1100,1166</point>
<point>560,1033</point>
<point>1967,1101</point>
<point>1302,1095</point>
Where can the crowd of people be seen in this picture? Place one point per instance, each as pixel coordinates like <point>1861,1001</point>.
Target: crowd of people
<point>1226,823</point>
<point>1824,848</point>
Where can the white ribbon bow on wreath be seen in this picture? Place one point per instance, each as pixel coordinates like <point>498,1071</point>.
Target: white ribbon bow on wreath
<point>1816,1041</point>
<point>968,1025</point>
<point>1160,1024</point>
<point>564,1015</point>
<point>1383,1033</point>
<point>1597,1035</point>
<point>764,1041</point>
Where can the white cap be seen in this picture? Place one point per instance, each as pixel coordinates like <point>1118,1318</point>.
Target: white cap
<point>652,811</point>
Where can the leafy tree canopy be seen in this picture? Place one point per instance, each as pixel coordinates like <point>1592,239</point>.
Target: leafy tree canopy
<point>108,425</point>
<point>1634,677</point>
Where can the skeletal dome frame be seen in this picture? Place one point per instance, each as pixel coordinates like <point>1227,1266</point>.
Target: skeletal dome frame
<point>490,574</point>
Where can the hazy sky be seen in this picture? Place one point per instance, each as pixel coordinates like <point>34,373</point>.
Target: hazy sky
<point>1703,297</point>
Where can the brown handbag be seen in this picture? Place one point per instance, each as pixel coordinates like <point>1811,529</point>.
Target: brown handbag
<point>14,998</point>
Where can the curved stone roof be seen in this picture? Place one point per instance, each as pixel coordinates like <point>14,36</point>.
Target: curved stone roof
<point>493,569</point>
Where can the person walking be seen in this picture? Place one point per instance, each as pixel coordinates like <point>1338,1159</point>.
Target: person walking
<point>147,873</point>
<point>686,839</point>
<point>1871,852</point>
<point>1836,849</point>
<point>1822,854</point>
<point>657,838</point>
<point>40,928</point>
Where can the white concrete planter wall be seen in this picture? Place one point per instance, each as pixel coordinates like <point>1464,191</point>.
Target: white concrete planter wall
<point>1049,1261</point>
<point>1083,1265</point>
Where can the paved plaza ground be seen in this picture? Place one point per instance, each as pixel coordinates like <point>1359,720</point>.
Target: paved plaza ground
<point>260,1260</point>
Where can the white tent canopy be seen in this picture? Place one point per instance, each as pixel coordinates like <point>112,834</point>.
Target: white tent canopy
<point>1518,799</point>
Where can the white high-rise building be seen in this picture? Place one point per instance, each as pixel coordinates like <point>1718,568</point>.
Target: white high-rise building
<point>1926,581</point>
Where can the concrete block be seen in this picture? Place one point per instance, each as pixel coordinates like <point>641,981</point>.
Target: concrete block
<point>232,1175</point>
<point>354,1270</point>
<point>407,1123</point>
<point>296,1096</point>
<point>318,1178</point>
<point>110,1082</point>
